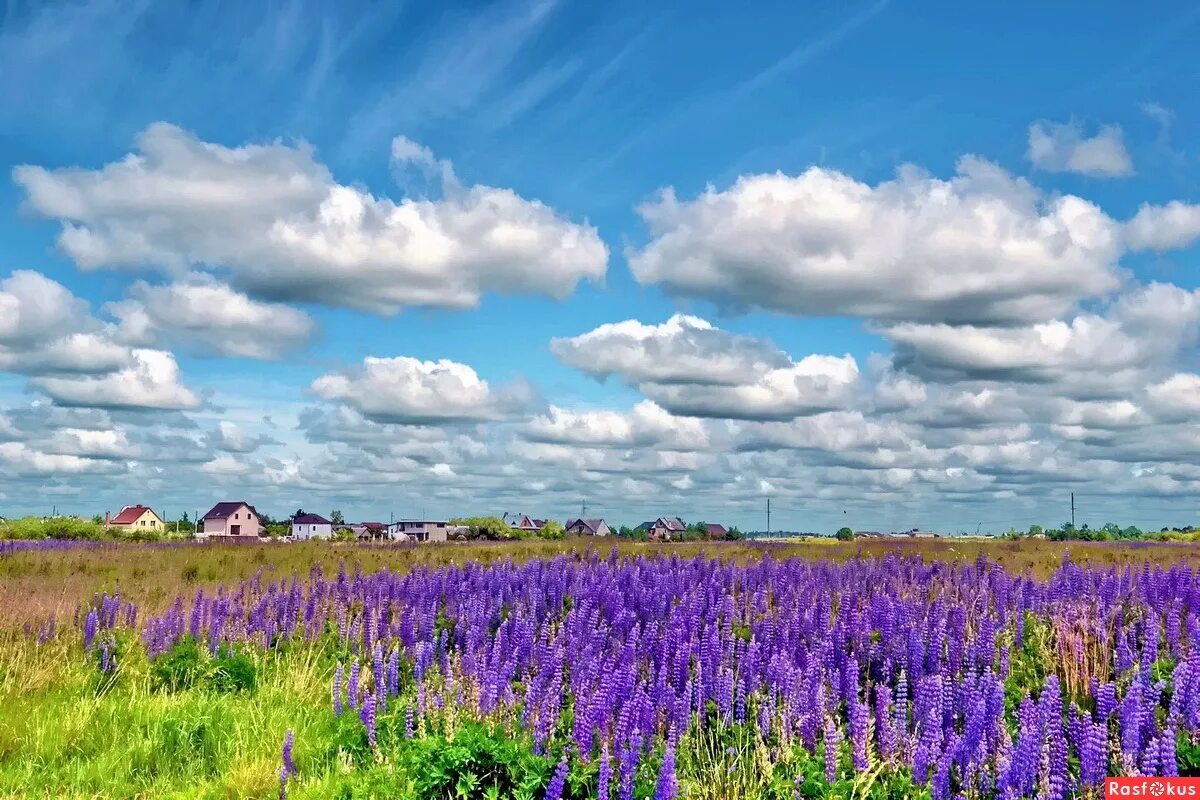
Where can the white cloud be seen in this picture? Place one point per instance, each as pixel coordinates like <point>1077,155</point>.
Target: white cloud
<point>410,391</point>
<point>18,459</point>
<point>1161,228</point>
<point>646,425</point>
<point>1062,147</point>
<point>284,229</point>
<point>151,381</point>
<point>693,369</point>
<point>1176,398</point>
<point>212,315</point>
<point>683,350</point>
<point>44,328</point>
<point>982,247</point>
<point>112,443</point>
<point>814,384</point>
<point>1141,331</point>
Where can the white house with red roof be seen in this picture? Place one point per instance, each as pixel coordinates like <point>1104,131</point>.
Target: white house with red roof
<point>134,518</point>
<point>234,519</point>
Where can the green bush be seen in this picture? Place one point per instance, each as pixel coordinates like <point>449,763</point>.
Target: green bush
<point>232,671</point>
<point>181,667</point>
<point>187,665</point>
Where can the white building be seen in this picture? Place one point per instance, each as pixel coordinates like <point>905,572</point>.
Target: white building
<point>311,526</point>
<point>419,530</point>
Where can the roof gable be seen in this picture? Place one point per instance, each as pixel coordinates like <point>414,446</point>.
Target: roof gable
<point>130,514</point>
<point>310,519</point>
<point>223,510</point>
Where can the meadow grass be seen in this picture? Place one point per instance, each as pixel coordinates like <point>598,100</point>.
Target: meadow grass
<point>66,730</point>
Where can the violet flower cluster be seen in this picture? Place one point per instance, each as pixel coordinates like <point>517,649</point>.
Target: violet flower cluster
<point>868,664</point>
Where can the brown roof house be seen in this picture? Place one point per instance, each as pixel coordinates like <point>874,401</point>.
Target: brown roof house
<point>588,527</point>
<point>715,531</point>
<point>524,522</point>
<point>661,529</point>
<point>235,519</point>
<point>134,518</point>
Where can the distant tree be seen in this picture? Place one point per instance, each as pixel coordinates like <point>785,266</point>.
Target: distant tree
<point>493,528</point>
<point>336,517</point>
<point>553,529</point>
<point>97,519</point>
<point>844,535</point>
<point>1035,530</point>
<point>734,534</point>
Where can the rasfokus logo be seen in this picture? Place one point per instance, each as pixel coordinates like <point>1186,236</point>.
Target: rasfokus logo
<point>1152,787</point>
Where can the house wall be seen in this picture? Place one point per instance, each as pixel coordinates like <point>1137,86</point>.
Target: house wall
<point>420,531</point>
<point>243,517</point>
<point>312,531</point>
<point>148,521</point>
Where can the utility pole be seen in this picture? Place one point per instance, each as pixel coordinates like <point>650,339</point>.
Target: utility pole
<point>1072,509</point>
<point>582,509</point>
<point>768,516</point>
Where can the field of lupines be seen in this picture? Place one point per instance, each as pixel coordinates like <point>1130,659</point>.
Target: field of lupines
<point>740,672</point>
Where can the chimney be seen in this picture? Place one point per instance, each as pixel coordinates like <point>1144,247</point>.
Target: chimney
<point>107,516</point>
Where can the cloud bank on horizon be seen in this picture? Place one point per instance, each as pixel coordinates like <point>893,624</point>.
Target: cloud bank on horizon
<point>866,323</point>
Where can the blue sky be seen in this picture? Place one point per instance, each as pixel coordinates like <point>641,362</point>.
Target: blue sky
<point>580,115</point>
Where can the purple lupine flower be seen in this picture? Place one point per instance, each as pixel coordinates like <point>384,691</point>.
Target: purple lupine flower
<point>832,737</point>
<point>288,768</point>
<point>558,781</point>
<point>337,690</point>
<point>352,686</point>
<point>667,787</point>
<point>89,630</point>
<point>367,715</point>
<point>604,777</point>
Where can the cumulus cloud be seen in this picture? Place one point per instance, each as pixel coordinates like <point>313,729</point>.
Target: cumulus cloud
<point>646,425</point>
<point>683,350</point>
<point>283,228</point>
<point>212,316</point>
<point>1177,398</point>
<point>691,368</point>
<point>233,438</point>
<point>1062,147</point>
<point>113,443</point>
<point>17,459</point>
<point>151,381</point>
<point>1166,227</point>
<point>414,392</point>
<point>44,328</point>
<point>814,384</point>
<point>1142,330</point>
<point>981,247</point>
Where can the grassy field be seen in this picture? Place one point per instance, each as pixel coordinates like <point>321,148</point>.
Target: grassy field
<point>69,729</point>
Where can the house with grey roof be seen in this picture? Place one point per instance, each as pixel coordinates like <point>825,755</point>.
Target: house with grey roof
<point>588,527</point>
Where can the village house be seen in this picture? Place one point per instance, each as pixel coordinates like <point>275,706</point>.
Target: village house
<point>662,529</point>
<point>419,530</point>
<point>134,518</point>
<point>311,526</point>
<point>524,523</point>
<point>235,519</point>
<point>588,527</point>
<point>715,531</point>
<point>369,530</point>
